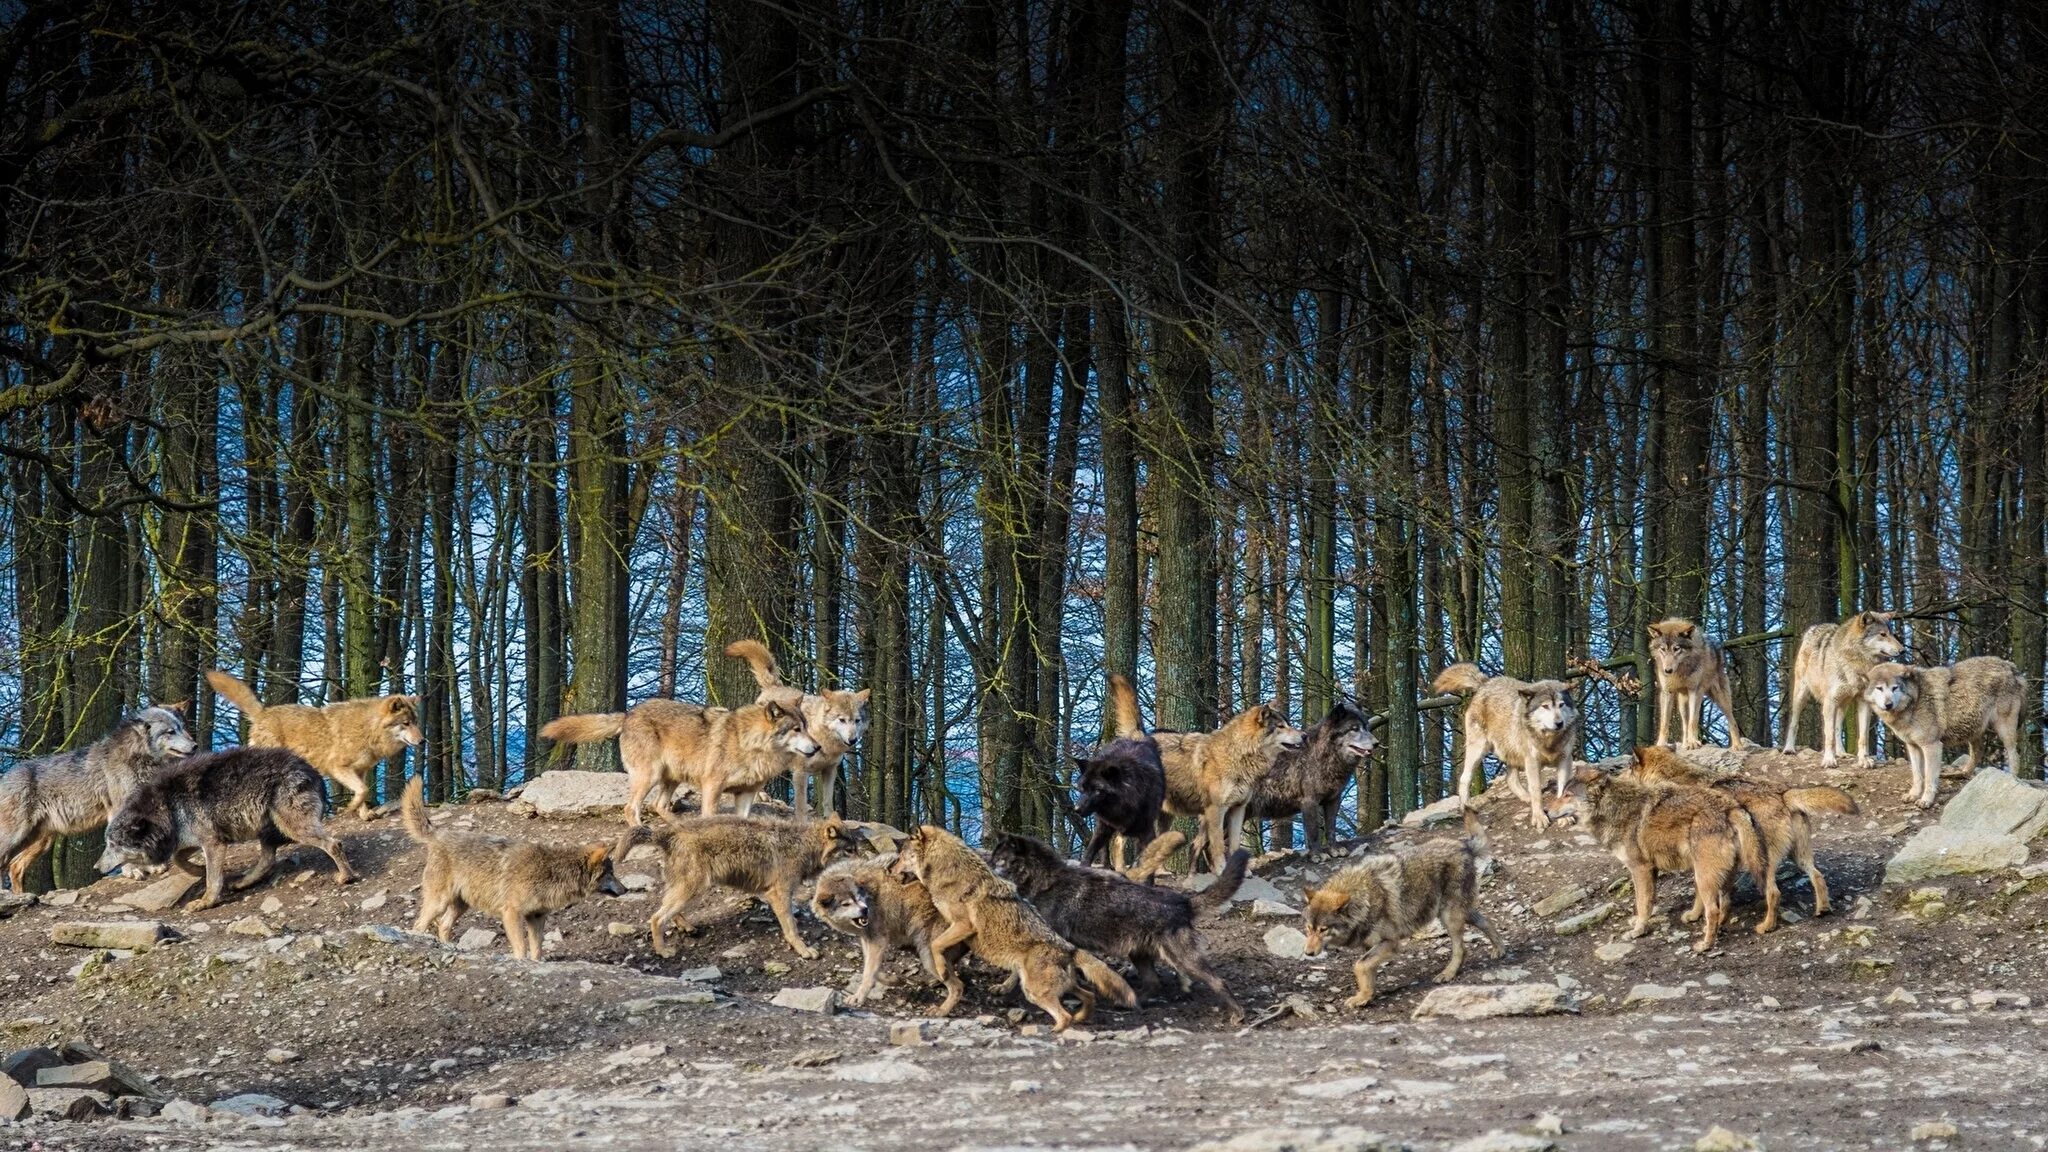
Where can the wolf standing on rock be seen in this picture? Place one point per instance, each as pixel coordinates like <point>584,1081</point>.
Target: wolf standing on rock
<point>1690,668</point>
<point>1928,708</point>
<point>73,791</point>
<point>1529,725</point>
<point>1832,667</point>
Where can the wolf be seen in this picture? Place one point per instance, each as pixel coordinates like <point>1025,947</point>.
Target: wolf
<point>1655,828</point>
<point>1100,911</point>
<point>344,741</point>
<point>760,857</point>
<point>1123,785</point>
<point>1928,708</point>
<point>865,899</point>
<point>1383,900</point>
<point>1832,667</point>
<point>1784,819</point>
<point>665,744</point>
<point>206,802</point>
<point>836,719</point>
<point>519,880</point>
<point>1690,668</point>
<point>984,911</point>
<point>72,792</point>
<point>1310,781</point>
<point>1212,775</point>
<point>1529,725</point>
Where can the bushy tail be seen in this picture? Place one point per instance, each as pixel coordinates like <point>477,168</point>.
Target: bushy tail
<point>766,673</point>
<point>235,692</point>
<point>1459,678</point>
<point>1123,700</point>
<point>584,728</point>
<point>1475,837</point>
<point>654,832</point>
<point>1105,980</point>
<point>1816,800</point>
<point>1748,844</point>
<point>1152,861</point>
<point>413,808</point>
<point>1227,883</point>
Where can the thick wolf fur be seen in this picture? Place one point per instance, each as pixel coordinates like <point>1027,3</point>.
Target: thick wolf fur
<point>520,881</point>
<point>1123,785</point>
<point>764,858</point>
<point>209,801</point>
<point>666,744</point>
<point>1212,775</point>
<point>1156,856</point>
<point>836,719</point>
<point>1928,708</point>
<point>344,742</point>
<point>1785,819</point>
<point>1383,900</point>
<point>1108,915</point>
<point>1655,828</point>
<point>1309,781</point>
<point>1529,725</point>
<point>1832,667</point>
<point>72,792</point>
<point>865,899</point>
<point>1690,668</point>
<point>985,912</point>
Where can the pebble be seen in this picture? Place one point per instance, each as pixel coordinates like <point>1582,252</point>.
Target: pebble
<point>709,974</point>
<point>477,939</point>
<point>1558,901</point>
<point>1991,999</point>
<point>281,1056</point>
<point>1933,1130</point>
<point>1286,942</point>
<point>184,1112</point>
<point>1719,1139</point>
<point>376,902</point>
<point>620,928</point>
<point>816,999</point>
<point>271,906</point>
<point>1335,1089</point>
<point>1591,918</point>
<point>251,1104</point>
<point>1651,993</point>
<point>490,1102</point>
<point>254,926</point>
<point>1718,980</point>
<point>1273,908</point>
<point>1615,951</point>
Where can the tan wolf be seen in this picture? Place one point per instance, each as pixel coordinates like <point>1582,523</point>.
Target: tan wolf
<point>984,911</point>
<point>1385,899</point>
<point>1690,668</point>
<point>1832,667</point>
<point>757,856</point>
<point>865,899</point>
<point>1928,708</point>
<point>343,741</point>
<point>1655,828</point>
<point>1529,725</point>
<point>836,719</point>
<point>1213,775</point>
<point>519,881</point>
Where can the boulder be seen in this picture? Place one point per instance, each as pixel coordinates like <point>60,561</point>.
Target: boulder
<point>13,1100</point>
<point>1995,801</point>
<point>21,1067</point>
<point>1445,811</point>
<point>68,1103</point>
<point>1938,850</point>
<point>251,1104</point>
<point>825,1000</point>
<point>1479,1002</point>
<point>122,1080</point>
<point>132,936</point>
<point>566,793</point>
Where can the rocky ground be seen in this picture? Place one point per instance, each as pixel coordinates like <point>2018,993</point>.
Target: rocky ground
<point>1912,1017</point>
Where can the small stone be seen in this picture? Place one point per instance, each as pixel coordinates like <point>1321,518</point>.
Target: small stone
<point>881,1072</point>
<point>1719,1139</point>
<point>908,1033</point>
<point>376,902</point>
<point>1933,1130</point>
<point>254,926</point>
<point>490,1102</point>
<point>164,894</point>
<point>12,902</point>
<point>1500,1141</point>
<point>1901,996</point>
<point>477,939</point>
<point>646,1004</point>
<point>1548,1124</point>
<point>1286,942</point>
<point>1991,999</point>
<point>68,1103</point>
<point>620,928</point>
<point>825,1000</point>
<point>135,1108</point>
<point>271,906</point>
<point>1590,918</point>
<point>184,1112</point>
<point>63,898</point>
<point>281,1056</point>
<point>1566,981</point>
<point>1340,1139</point>
<point>1335,1089</point>
<point>1558,901</point>
<point>1027,1087</point>
<point>1478,1002</point>
<point>1615,952</point>
<point>135,936</point>
<point>251,1104</point>
<point>1650,994</point>
<point>1274,908</point>
<point>445,1064</point>
<point>637,882</point>
<point>816,1058</point>
<point>1718,980</point>
<point>709,974</point>
<point>13,1100</point>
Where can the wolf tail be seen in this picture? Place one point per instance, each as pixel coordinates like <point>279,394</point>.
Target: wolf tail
<point>1153,860</point>
<point>1123,700</point>
<point>235,692</point>
<point>1105,980</point>
<point>413,808</point>
<point>1227,883</point>
<point>1816,800</point>
<point>1459,679</point>
<point>651,833</point>
<point>584,728</point>
<point>1748,844</point>
<point>1475,836</point>
<point>766,672</point>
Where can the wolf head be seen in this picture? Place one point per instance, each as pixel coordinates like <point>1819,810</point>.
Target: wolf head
<point>400,717</point>
<point>1023,861</point>
<point>598,874</point>
<point>1891,688</point>
<point>1351,731</point>
<point>843,902</point>
<point>1572,802</point>
<point>141,833</point>
<point>1269,721</point>
<point>786,728</point>
<point>1873,632</point>
<point>1549,706</point>
<point>163,733</point>
<point>1671,642</point>
<point>844,715</point>
<point>1333,915</point>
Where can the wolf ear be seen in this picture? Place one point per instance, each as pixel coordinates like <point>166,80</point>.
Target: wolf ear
<point>1327,900</point>
<point>862,696</point>
<point>180,708</point>
<point>1879,617</point>
<point>1691,630</point>
<point>594,857</point>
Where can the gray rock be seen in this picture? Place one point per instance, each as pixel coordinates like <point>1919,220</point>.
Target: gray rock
<point>637,882</point>
<point>271,906</point>
<point>1254,888</point>
<point>1650,994</point>
<point>251,1104</point>
<point>135,1108</point>
<point>563,792</point>
<point>881,1072</point>
<point>825,1000</point>
<point>1340,1139</point>
<point>1719,1139</point>
<point>1443,811</point>
<point>1274,908</point>
<point>1938,850</point>
<point>184,1112</point>
<point>1615,951</point>
<point>1335,1089</point>
<point>281,1056</point>
<point>164,894</point>
<point>376,902</point>
<point>1994,801</point>
<point>1590,918</point>
<point>68,1103</point>
<point>709,974</point>
<point>22,1066</point>
<point>12,902</point>
<point>1558,901</point>
<point>13,1100</point>
<point>476,940</point>
<point>1479,1002</point>
<point>1286,942</point>
<point>135,936</point>
<point>1500,1141</point>
<point>94,1074</point>
<point>646,1004</point>
<point>253,926</point>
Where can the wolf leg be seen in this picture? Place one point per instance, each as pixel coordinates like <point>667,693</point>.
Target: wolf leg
<point>1363,971</point>
<point>1475,751</point>
<point>1723,699</point>
<point>778,903</point>
<point>515,933</point>
<point>25,858</point>
<point>1864,759</point>
<point>871,954</point>
<point>955,934</point>
<point>1830,732</point>
<point>215,880</point>
<point>1802,852</point>
<point>1454,927</point>
<point>1480,921</point>
<point>1664,707</point>
<point>1644,880</point>
<point>266,858</point>
<point>1791,742</point>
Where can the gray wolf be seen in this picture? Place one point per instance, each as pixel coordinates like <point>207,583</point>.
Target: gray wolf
<point>1832,667</point>
<point>210,801</point>
<point>1123,785</point>
<point>985,912</point>
<point>343,741</point>
<point>666,744</point>
<point>836,719</point>
<point>1310,780</point>
<point>1927,708</point>
<point>760,857</point>
<point>1690,668</point>
<point>522,882</point>
<point>1655,828</point>
<point>1102,912</point>
<point>1784,818</point>
<point>865,899</point>
<point>72,792</point>
<point>1530,725</point>
<point>1212,775</point>
<point>1383,900</point>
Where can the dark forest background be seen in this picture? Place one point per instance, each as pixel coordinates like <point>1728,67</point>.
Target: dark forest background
<point>522,356</point>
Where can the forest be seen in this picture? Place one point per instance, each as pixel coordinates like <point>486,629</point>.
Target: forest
<point>524,356</point>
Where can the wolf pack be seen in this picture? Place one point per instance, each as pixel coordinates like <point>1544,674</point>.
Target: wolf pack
<point>1057,930</point>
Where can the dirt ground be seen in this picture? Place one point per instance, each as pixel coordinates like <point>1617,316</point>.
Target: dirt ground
<point>1842,1032</point>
